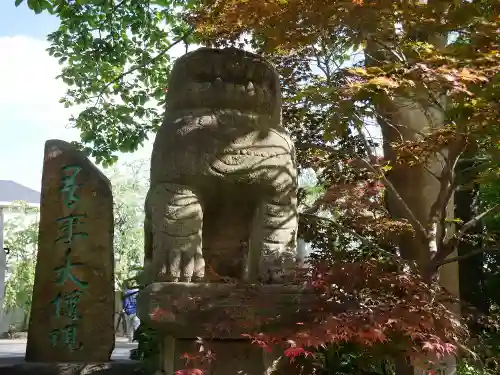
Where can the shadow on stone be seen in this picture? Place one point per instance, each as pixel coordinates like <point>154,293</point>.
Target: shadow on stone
<point>108,368</point>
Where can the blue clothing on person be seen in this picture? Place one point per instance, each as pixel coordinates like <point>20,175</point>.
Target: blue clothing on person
<point>130,301</point>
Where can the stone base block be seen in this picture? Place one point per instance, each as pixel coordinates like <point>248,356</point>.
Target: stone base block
<point>188,316</point>
<point>108,368</point>
<point>229,357</point>
<point>223,311</point>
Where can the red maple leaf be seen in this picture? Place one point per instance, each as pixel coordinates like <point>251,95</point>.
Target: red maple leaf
<point>158,313</point>
<point>188,357</point>
<point>189,371</point>
<point>295,352</point>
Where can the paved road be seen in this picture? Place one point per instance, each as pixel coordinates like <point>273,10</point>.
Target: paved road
<point>13,350</point>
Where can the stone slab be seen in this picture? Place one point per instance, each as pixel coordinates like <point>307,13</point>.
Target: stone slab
<point>188,310</point>
<point>108,368</point>
<point>72,314</point>
<point>230,357</point>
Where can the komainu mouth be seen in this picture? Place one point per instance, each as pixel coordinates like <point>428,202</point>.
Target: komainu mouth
<point>227,78</point>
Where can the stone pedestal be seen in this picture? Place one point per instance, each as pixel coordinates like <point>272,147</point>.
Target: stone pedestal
<point>220,315</point>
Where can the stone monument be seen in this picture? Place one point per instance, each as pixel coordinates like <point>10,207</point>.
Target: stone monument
<point>221,205</point>
<point>72,312</point>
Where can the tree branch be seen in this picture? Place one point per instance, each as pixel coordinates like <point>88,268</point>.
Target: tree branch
<point>118,5</point>
<point>365,241</point>
<point>153,59</point>
<point>471,223</point>
<point>314,146</point>
<point>448,183</point>
<point>336,224</point>
<point>416,224</point>
<point>466,256</point>
<point>447,247</point>
<point>136,67</point>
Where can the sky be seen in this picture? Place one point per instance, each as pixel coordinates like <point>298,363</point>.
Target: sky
<point>30,112</point>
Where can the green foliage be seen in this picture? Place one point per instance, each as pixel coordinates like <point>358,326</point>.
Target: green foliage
<point>491,346</point>
<point>21,237</point>
<point>465,368</point>
<point>148,347</point>
<point>349,359</point>
<point>489,197</point>
<point>116,63</point>
<point>129,191</point>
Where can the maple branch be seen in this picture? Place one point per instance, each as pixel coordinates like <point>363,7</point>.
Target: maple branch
<point>437,212</point>
<point>474,169</point>
<point>323,66</point>
<point>447,247</point>
<point>427,169</point>
<point>118,5</point>
<point>471,223</point>
<point>417,225</point>
<point>401,58</point>
<point>365,241</point>
<point>466,256</point>
<point>325,148</point>
<point>417,159</point>
<point>447,180</point>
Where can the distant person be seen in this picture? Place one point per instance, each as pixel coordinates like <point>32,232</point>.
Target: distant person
<point>130,310</point>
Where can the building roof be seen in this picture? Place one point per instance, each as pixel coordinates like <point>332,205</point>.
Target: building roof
<point>11,191</point>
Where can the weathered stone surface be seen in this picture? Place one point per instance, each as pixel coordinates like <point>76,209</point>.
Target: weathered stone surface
<point>223,173</point>
<point>72,310</point>
<point>238,357</point>
<point>190,310</point>
<point>232,357</point>
<point>108,368</point>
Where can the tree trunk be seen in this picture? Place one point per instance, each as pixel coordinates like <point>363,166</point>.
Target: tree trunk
<point>404,119</point>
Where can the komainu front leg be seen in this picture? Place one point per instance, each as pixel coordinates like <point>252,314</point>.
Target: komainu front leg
<point>273,245</point>
<point>177,220</point>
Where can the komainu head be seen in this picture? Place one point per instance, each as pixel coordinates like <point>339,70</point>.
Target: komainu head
<point>224,79</point>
